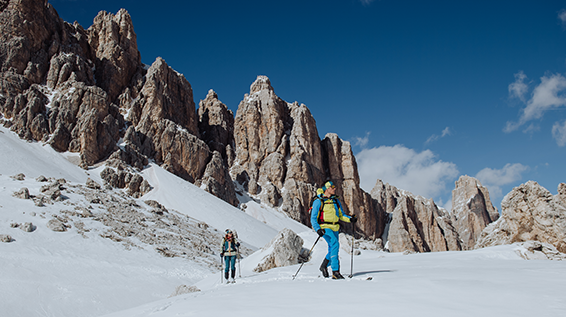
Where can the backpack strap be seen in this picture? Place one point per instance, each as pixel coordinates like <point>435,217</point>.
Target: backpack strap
<point>320,217</point>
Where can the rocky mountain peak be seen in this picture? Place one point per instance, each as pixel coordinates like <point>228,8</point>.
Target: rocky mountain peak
<point>165,95</point>
<point>216,126</point>
<point>472,209</point>
<point>211,95</point>
<point>49,86</point>
<point>114,42</point>
<point>261,83</point>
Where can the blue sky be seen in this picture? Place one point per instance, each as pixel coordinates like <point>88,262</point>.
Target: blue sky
<point>425,91</point>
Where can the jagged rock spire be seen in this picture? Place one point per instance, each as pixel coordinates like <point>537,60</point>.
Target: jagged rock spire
<point>472,210</point>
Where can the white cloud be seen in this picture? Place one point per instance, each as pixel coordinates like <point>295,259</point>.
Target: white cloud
<point>519,89</point>
<point>562,16</point>
<point>550,94</point>
<point>493,179</point>
<point>419,173</point>
<point>361,142</point>
<point>435,137</point>
<point>559,133</point>
<point>531,128</point>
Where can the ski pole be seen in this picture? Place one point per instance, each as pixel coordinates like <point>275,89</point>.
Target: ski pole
<point>239,265</point>
<point>222,270</point>
<point>307,257</point>
<point>352,255</point>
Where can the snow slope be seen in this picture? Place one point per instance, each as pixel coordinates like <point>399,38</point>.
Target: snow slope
<point>488,282</point>
<point>47,273</point>
<point>176,193</point>
<point>35,159</point>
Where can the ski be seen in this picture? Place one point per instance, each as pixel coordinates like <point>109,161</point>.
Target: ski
<point>369,278</point>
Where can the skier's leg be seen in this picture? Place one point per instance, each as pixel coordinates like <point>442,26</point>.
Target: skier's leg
<point>334,248</point>
<point>226,266</point>
<point>233,266</point>
<point>327,237</point>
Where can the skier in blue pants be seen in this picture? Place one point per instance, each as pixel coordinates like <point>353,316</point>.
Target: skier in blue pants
<point>325,216</point>
<point>229,253</point>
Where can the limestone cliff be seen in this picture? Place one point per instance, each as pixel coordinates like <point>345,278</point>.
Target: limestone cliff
<point>472,210</point>
<point>529,212</point>
<point>413,223</point>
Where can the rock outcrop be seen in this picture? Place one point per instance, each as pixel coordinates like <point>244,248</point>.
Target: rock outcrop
<point>419,225</point>
<point>535,250</point>
<point>26,226</point>
<point>472,210</point>
<point>184,289</point>
<point>135,185</point>
<point>57,225</point>
<point>6,238</point>
<point>216,126</point>
<point>31,33</point>
<point>113,41</point>
<point>283,250</point>
<point>217,181</point>
<point>83,120</point>
<point>22,193</point>
<point>413,223</point>
<point>164,123</point>
<point>165,95</point>
<point>48,85</point>
<point>529,212</point>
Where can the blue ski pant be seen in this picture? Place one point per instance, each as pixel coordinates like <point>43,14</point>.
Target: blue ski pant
<point>333,242</point>
<point>230,263</point>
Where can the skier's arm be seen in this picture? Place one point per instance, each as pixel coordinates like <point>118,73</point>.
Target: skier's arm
<point>314,214</point>
<point>343,217</point>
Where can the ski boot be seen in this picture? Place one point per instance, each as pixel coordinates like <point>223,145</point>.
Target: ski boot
<point>337,276</point>
<point>324,269</point>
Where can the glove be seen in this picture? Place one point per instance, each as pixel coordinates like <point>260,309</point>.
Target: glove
<point>320,232</point>
<point>221,255</point>
<point>353,219</point>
